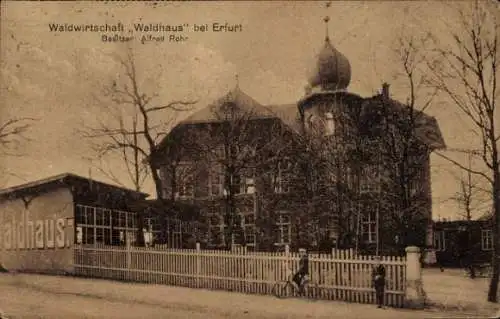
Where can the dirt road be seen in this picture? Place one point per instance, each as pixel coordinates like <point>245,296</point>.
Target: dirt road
<point>28,303</point>
<point>30,296</point>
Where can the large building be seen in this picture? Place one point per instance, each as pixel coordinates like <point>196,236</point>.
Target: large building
<point>331,169</point>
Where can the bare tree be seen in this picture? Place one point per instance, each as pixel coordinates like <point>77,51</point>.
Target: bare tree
<point>123,146</point>
<point>471,194</point>
<point>134,124</point>
<point>467,73</point>
<point>308,192</point>
<point>325,158</point>
<point>407,138</point>
<point>384,153</point>
<point>13,134</point>
<point>237,145</point>
<point>468,199</point>
<point>465,197</point>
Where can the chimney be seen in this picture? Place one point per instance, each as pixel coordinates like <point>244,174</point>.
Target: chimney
<point>385,90</point>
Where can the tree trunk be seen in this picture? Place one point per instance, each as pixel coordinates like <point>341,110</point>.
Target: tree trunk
<point>157,181</point>
<point>229,207</point>
<point>140,234</point>
<point>493,289</point>
<point>137,173</point>
<point>229,224</point>
<point>140,217</point>
<point>173,183</point>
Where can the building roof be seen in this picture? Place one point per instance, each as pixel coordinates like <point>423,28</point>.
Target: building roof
<point>288,114</point>
<point>65,179</point>
<point>333,70</point>
<point>214,111</point>
<point>428,130</point>
<point>426,127</point>
<point>245,104</point>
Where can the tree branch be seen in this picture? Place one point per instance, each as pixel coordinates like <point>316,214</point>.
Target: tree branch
<point>475,172</point>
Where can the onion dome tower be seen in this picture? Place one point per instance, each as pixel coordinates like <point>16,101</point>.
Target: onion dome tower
<point>333,70</point>
<point>330,77</point>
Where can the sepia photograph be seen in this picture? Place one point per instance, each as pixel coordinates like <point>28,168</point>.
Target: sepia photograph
<point>250,159</point>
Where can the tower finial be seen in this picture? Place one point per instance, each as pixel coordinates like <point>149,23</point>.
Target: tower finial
<point>327,19</point>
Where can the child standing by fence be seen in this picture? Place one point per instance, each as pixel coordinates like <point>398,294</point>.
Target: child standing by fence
<point>378,276</point>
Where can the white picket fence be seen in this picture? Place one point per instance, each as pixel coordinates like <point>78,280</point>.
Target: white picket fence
<point>338,276</point>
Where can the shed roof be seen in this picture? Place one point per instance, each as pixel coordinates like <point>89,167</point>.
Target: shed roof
<point>65,179</point>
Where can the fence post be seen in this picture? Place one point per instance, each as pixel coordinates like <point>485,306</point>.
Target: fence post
<point>286,272</point>
<point>129,256</point>
<point>198,264</point>
<point>414,292</point>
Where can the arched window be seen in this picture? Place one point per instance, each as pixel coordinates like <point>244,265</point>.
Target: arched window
<point>329,123</point>
<point>315,124</point>
<point>310,120</point>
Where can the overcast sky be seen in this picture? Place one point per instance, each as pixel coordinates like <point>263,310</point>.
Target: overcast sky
<point>53,76</point>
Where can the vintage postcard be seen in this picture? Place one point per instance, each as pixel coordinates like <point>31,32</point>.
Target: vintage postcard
<point>239,159</point>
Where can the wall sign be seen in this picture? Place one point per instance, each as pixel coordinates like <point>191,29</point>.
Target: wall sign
<point>21,232</point>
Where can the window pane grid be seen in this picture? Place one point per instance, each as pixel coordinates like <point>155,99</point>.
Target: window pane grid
<point>105,226</point>
<point>216,180</point>
<point>486,239</point>
<point>369,228</point>
<point>281,178</point>
<point>284,228</point>
<point>184,181</point>
<point>439,240</point>
<point>248,226</point>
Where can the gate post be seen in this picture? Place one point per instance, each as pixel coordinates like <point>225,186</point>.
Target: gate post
<point>414,291</point>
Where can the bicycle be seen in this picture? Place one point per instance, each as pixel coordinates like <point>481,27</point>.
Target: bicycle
<point>287,288</point>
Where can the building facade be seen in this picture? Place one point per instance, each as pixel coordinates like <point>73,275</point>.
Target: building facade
<point>41,221</point>
<point>333,169</point>
<point>459,242</point>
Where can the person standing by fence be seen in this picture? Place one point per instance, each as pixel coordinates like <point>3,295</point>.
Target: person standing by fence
<point>303,270</point>
<point>378,277</point>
